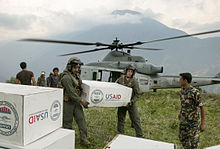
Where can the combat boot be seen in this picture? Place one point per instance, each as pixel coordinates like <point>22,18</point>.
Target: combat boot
<point>85,142</point>
<point>140,136</point>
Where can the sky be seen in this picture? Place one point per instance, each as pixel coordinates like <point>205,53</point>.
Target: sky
<point>44,18</point>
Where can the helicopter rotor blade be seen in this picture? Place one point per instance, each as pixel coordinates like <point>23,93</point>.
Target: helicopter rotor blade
<point>182,36</point>
<point>154,49</point>
<point>132,44</point>
<point>87,51</point>
<point>170,38</point>
<point>66,42</point>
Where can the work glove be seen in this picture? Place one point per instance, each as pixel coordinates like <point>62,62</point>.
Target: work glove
<point>85,103</point>
<point>130,103</point>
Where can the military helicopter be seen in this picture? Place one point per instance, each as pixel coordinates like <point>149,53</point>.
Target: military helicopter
<point>116,61</point>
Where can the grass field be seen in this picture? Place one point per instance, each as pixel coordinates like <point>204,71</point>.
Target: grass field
<point>158,112</point>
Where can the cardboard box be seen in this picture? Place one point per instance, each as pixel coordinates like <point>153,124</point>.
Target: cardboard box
<point>59,139</point>
<point>128,142</point>
<point>214,147</point>
<point>28,112</point>
<point>105,94</point>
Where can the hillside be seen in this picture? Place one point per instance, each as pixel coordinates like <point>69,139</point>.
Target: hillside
<point>158,112</point>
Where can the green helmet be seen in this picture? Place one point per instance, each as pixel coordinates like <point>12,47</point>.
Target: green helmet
<point>130,67</point>
<point>73,62</point>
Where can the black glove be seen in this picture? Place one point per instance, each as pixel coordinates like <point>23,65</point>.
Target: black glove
<point>85,104</point>
<point>130,103</point>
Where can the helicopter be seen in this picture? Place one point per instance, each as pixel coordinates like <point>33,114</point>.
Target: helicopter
<point>115,62</point>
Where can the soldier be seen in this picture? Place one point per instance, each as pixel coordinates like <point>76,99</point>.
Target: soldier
<point>189,116</point>
<point>25,76</point>
<point>71,82</point>
<point>41,80</point>
<point>129,81</point>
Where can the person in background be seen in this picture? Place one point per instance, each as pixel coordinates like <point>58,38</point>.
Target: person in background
<point>47,79</point>
<point>53,80</point>
<point>41,80</point>
<point>25,76</point>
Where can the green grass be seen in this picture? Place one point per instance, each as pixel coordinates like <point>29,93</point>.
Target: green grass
<point>158,112</point>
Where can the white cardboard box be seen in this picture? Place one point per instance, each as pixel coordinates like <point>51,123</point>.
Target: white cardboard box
<point>105,94</point>
<point>28,112</point>
<point>128,142</point>
<point>59,139</point>
<point>213,147</point>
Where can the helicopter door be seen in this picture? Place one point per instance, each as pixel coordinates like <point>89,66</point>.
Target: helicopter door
<point>108,76</point>
<point>114,76</point>
<point>104,76</point>
<point>99,78</point>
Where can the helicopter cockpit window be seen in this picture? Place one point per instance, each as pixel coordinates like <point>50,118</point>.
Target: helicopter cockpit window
<point>104,76</point>
<point>99,76</point>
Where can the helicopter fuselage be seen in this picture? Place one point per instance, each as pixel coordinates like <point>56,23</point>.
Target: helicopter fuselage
<point>146,82</point>
<point>120,60</point>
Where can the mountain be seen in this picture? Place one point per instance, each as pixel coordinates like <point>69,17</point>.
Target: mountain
<point>199,56</point>
<point>124,12</point>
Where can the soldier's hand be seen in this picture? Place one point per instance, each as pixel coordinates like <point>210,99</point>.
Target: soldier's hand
<point>202,127</point>
<point>129,104</point>
<point>84,103</point>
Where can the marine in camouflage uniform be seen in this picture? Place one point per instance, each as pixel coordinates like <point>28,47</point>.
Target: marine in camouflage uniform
<point>71,83</point>
<point>131,107</point>
<point>189,116</point>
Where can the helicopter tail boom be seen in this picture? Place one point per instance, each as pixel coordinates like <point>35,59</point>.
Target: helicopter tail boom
<point>173,81</point>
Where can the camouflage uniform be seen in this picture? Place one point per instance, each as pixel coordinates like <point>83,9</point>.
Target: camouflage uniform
<point>72,107</point>
<point>189,129</point>
<point>132,109</point>
<point>41,81</point>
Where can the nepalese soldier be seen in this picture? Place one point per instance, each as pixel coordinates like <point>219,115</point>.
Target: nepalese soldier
<point>129,81</point>
<point>41,80</point>
<point>71,82</point>
<point>189,116</point>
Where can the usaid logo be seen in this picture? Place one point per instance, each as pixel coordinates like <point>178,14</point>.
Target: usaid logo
<point>38,116</point>
<point>9,119</point>
<point>112,96</point>
<point>97,96</point>
<point>55,110</point>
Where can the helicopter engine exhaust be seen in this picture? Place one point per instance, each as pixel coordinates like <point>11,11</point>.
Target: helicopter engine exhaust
<point>148,69</point>
<point>157,69</point>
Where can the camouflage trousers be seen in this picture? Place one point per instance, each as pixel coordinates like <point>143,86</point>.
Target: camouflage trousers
<point>74,110</point>
<point>189,136</point>
<point>134,116</point>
